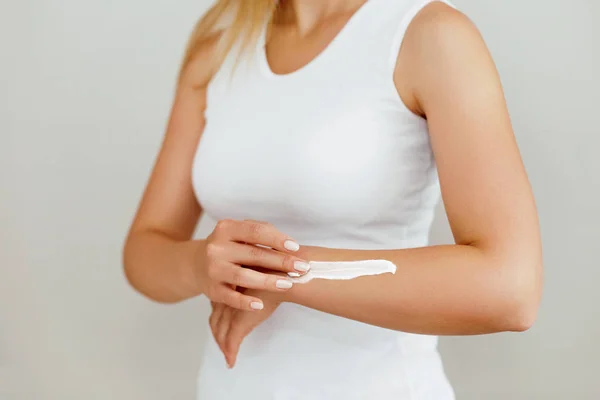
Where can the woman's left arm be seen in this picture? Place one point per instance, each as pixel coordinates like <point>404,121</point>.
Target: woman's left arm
<point>490,281</point>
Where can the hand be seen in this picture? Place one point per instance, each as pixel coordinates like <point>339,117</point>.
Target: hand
<point>232,245</point>
<point>230,326</point>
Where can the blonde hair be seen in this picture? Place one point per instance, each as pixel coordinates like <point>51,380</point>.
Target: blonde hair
<point>234,19</point>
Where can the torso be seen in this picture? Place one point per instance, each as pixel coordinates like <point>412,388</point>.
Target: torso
<point>329,153</point>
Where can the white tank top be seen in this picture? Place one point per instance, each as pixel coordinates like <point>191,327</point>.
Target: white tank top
<point>330,155</point>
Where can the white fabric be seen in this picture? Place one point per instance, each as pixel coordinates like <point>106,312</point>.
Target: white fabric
<point>330,155</point>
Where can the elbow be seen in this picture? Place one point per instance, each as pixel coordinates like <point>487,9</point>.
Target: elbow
<point>522,316</point>
<point>131,269</point>
<point>522,299</point>
<point>130,276</point>
<point>128,268</point>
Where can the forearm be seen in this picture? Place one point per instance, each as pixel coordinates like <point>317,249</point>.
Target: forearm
<point>161,268</point>
<point>440,290</point>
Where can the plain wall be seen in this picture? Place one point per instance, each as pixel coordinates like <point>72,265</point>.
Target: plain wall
<point>86,87</point>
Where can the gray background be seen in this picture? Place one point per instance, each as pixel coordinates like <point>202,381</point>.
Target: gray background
<point>86,88</point>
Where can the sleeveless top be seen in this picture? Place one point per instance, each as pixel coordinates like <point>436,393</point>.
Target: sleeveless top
<point>330,155</point>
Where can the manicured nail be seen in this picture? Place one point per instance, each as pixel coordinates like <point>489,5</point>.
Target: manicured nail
<point>291,245</point>
<point>293,275</point>
<point>283,284</point>
<point>301,266</point>
<point>255,305</point>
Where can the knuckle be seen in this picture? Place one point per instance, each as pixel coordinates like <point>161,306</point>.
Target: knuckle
<point>255,230</point>
<point>287,262</point>
<point>256,252</point>
<point>234,299</point>
<point>212,250</point>
<point>223,225</point>
<point>239,301</point>
<point>269,281</point>
<point>238,277</point>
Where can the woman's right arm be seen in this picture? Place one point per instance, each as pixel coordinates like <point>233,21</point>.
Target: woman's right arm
<point>160,259</point>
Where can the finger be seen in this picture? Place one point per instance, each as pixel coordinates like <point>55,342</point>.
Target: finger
<point>222,329</point>
<point>255,256</point>
<point>235,337</point>
<point>217,309</point>
<point>247,278</point>
<point>257,232</point>
<point>215,316</point>
<point>223,325</point>
<point>258,222</point>
<point>237,300</point>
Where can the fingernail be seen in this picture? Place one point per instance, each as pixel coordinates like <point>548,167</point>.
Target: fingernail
<point>293,275</point>
<point>283,284</point>
<point>301,266</point>
<point>291,245</point>
<point>255,305</point>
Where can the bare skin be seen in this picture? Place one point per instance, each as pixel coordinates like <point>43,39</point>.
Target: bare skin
<point>160,259</point>
<point>490,281</point>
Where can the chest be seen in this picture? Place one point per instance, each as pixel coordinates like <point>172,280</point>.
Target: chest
<point>314,153</point>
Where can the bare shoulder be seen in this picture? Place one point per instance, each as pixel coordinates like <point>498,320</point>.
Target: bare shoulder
<point>203,63</point>
<point>439,41</point>
<point>441,25</point>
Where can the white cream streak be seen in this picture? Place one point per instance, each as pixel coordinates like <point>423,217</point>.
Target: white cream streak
<point>345,269</point>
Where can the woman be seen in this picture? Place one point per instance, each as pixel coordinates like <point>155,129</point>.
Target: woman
<point>320,136</point>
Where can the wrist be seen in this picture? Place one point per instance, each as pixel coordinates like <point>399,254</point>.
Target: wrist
<point>190,266</point>
<point>295,293</point>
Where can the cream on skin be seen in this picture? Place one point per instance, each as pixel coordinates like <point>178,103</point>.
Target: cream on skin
<point>343,270</point>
